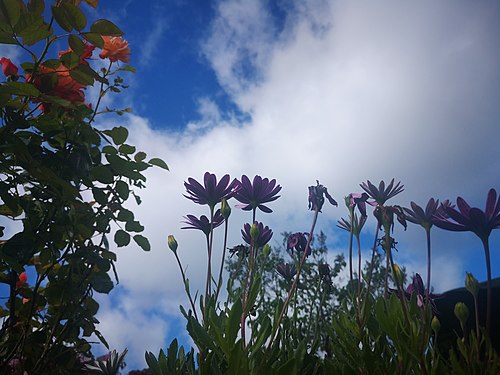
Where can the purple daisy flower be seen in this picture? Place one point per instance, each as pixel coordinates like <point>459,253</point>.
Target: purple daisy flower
<point>264,237</point>
<point>254,195</point>
<point>212,192</point>
<point>203,223</point>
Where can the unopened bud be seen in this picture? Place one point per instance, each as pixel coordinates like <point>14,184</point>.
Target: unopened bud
<point>266,250</point>
<point>471,284</point>
<point>254,232</point>
<point>435,324</point>
<point>225,210</point>
<point>398,276</point>
<point>172,243</point>
<point>462,312</point>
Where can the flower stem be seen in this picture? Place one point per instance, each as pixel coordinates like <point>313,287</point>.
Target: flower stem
<point>295,281</point>
<point>219,283</point>
<point>488,284</point>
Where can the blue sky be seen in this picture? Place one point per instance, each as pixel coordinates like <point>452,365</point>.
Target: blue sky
<point>298,91</point>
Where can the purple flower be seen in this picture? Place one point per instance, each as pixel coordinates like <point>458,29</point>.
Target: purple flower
<point>358,200</point>
<point>203,223</point>
<point>298,242</point>
<point>254,195</point>
<point>286,270</point>
<point>472,219</point>
<point>417,287</point>
<point>264,236</point>
<point>479,222</point>
<point>382,194</point>
<point>213,192</point>
<point>417,215</point>
<point>317,196</point>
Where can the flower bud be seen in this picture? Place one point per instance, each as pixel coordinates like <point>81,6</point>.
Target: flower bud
<point>254,232</point>
<point>399,277</point>
<point>172,243</point>
<point>266,250</point>
<point>225,210</point>
<point>435,324</point>
<point>461,312</point>
<point>472,284</point>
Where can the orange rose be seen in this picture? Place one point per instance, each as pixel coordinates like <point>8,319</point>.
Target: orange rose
<point>115,48</point>
<point>65,86</point>
<point>22,280</point>
<point>87,52</point>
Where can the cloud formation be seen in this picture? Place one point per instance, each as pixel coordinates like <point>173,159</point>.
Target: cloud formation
<point>336,91</point>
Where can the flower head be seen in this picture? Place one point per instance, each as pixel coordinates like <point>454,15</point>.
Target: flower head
<point>212,192</point>
<point>298,242</point>
<point>254,195</point>
<point>417,215</point>
<point>264,234</point>
<point>472,219</point>
<point>115,48</point>
<point>317,196</point>
<point>358,200</point>
<point>382,194</point>
<point>286,270</point>
<point>8,68</point>
<point>203,223</point>
<point>23,278</point>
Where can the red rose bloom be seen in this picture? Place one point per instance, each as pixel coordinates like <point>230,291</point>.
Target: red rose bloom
<point>8,67</point>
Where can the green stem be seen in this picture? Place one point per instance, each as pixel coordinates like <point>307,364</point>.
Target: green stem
<point>294,285</point>
<point>488,284</point>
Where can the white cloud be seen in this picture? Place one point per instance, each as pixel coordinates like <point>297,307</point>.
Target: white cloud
<point>344,92</point>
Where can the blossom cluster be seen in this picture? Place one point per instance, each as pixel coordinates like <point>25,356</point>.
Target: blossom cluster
<point>58,81</point>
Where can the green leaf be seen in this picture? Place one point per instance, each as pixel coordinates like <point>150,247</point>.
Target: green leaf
<point>19,88</point>
<point>52,63</point>
<point>140,156</point>
<point>94,39</point>
<point>134,226</point>
<point>76,44</point>
<point>36,6</point>
<point>32,28</point>
<point>102,173</point>
<point>61,18</point>
<point>105,27</point>
<point>75,16</point>
<point>101,282</point>
<point>118,134</point>
<point>81,75</point>
<point>122,238</point>
<point>143,242</point>
<point>101,338</point>
<point>7,38</point>
<point>159,163</point>
<point>125,215</point>
<point>10,11</point>
<point>109,150</point>
<point>122,189</point>
<point>70,60</point>
<point>126,149</point>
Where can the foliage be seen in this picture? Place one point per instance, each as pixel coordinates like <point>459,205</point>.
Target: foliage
<point>65,180</point>
<point>289,317</point>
